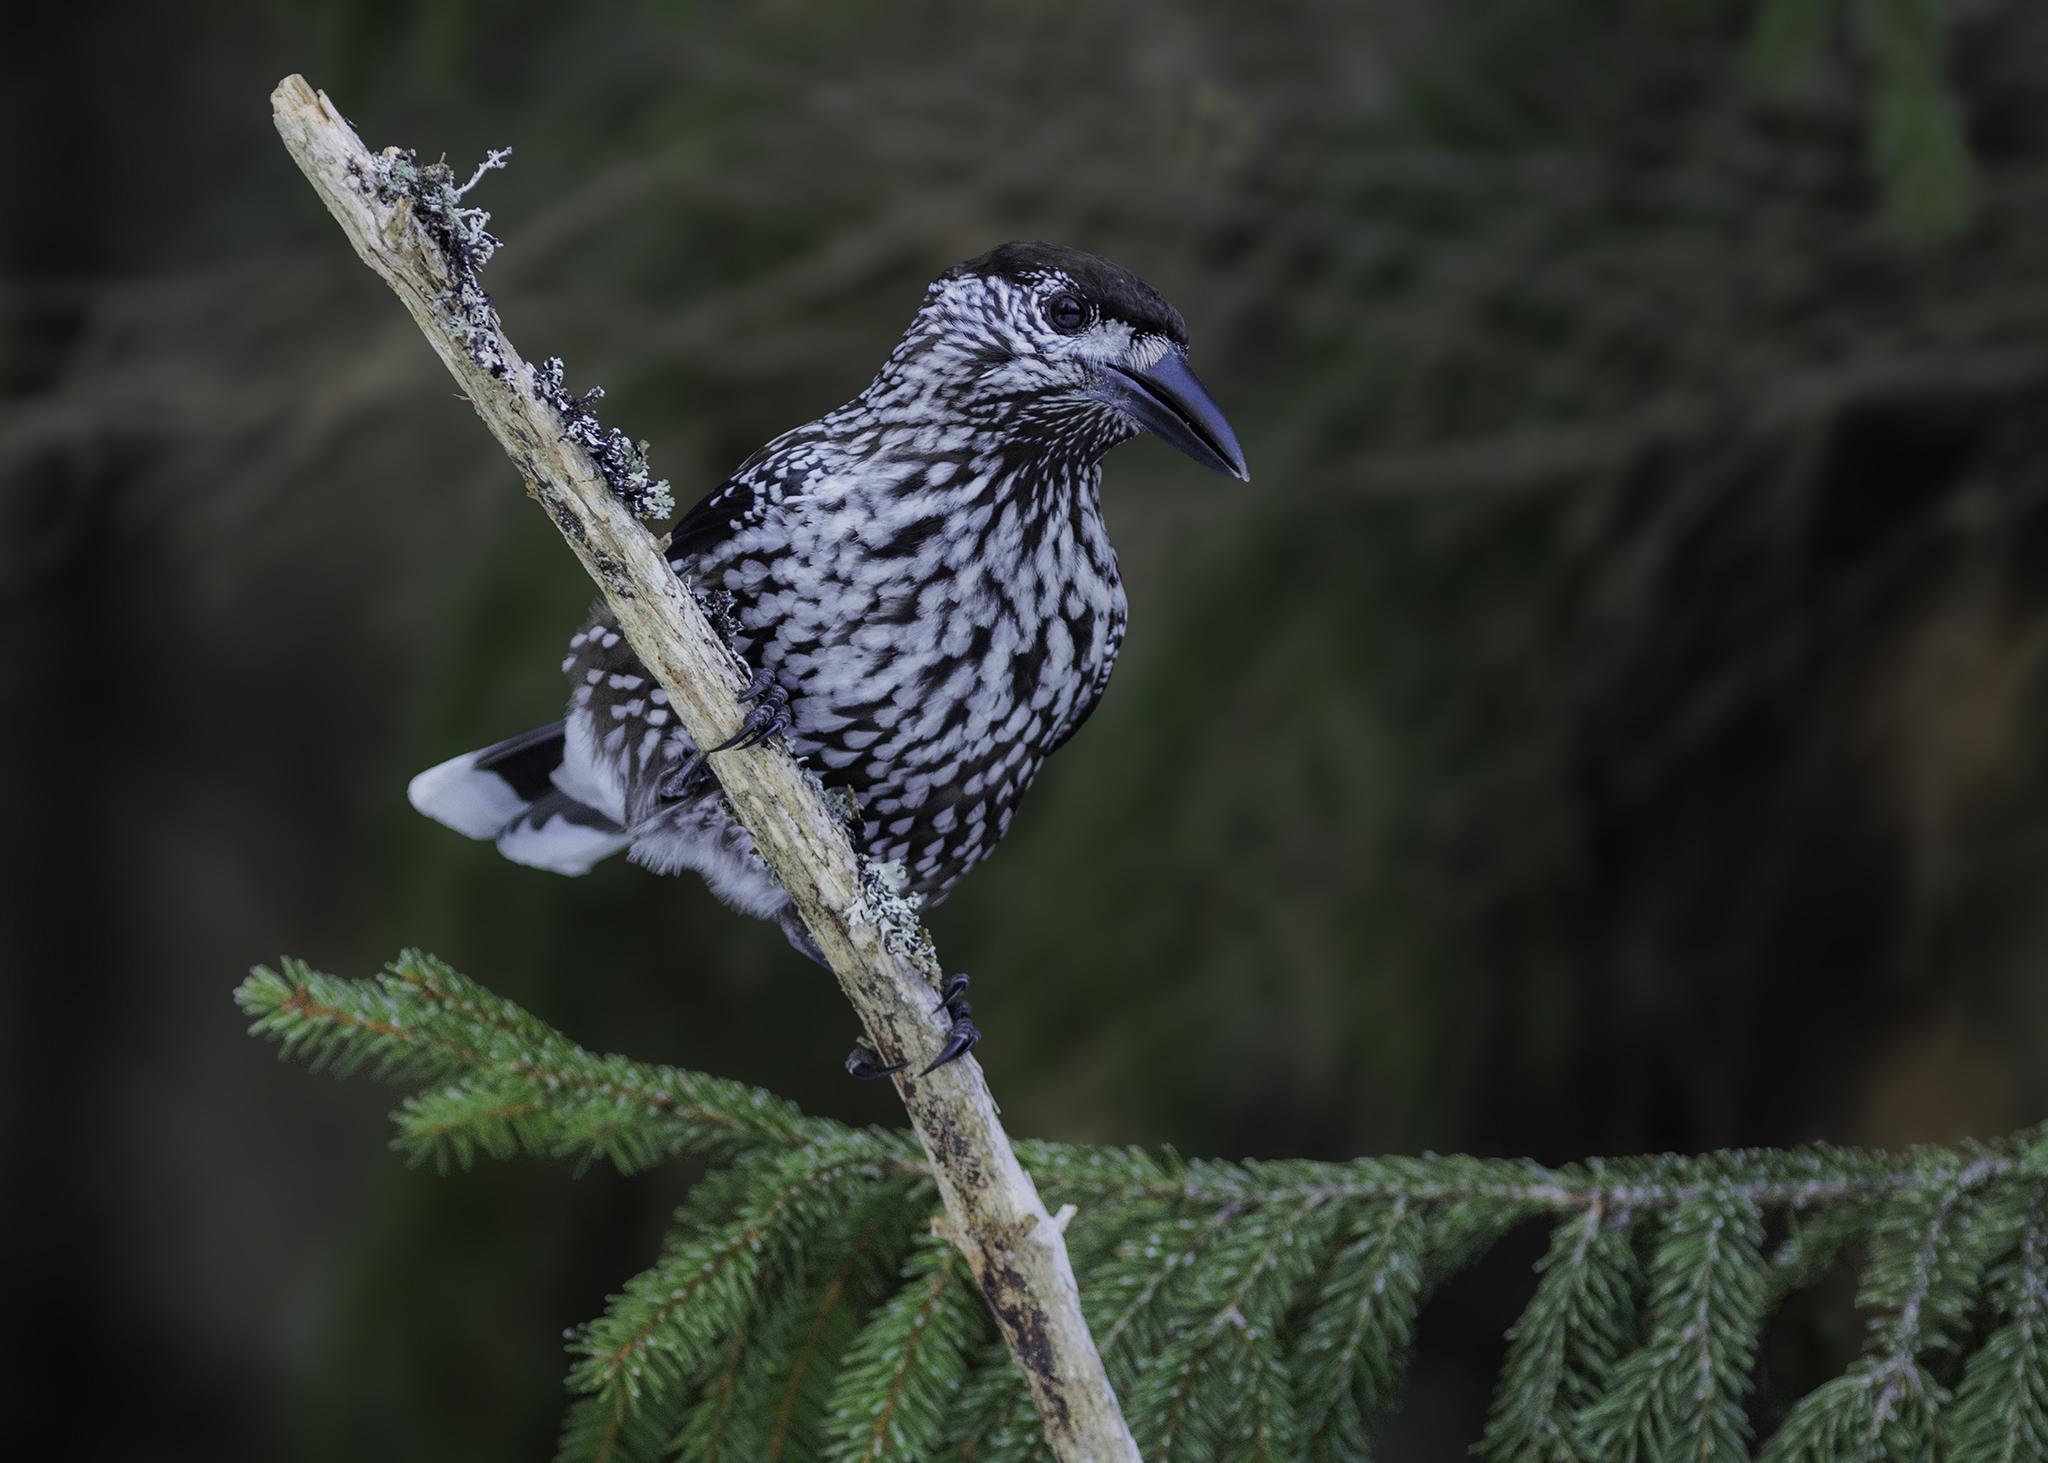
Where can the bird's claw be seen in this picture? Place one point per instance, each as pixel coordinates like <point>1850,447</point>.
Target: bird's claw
<point>761,680</point>
<point>960,1041</point>
<point>861,1062</point>
<point>961,1036</point>
<point>771,718</point>
<point>680,781</point>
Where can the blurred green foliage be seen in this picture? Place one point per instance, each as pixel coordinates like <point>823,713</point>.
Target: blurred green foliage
<point>1609,721</point>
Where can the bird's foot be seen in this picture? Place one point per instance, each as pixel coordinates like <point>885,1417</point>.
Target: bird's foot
<point>961,1036</point>
<point>679,782</point>
<point>769,719</point>
<point>862,1062</point>
<point>963,1033</point>
<point>800,938</point>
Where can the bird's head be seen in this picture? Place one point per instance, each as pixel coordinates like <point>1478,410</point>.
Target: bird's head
<point>1055,348</point>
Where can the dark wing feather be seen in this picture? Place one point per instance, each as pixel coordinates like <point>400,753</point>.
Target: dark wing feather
<point>1091,698</point>
<point>737,503</point>
<point>746,497</point>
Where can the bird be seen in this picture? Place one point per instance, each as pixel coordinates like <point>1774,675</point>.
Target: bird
<point>922,583</point>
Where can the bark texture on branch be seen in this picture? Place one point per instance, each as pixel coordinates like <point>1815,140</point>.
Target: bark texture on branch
<point>881,958</point>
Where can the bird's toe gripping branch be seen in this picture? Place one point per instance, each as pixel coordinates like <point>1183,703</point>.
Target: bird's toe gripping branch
<point>862,1062</point>
<point>961,1037</point>
<point>771,718</point>
<point>963,1034</point>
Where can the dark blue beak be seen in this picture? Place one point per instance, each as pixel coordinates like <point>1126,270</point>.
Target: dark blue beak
<point>1170,403</point>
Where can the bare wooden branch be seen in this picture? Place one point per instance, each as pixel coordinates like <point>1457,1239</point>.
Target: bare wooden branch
<point>880,956</point>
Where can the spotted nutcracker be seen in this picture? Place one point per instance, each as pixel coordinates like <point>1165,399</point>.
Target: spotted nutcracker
<point>922,581</point>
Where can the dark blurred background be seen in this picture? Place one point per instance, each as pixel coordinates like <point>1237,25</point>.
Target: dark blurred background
<point>1610,720</point>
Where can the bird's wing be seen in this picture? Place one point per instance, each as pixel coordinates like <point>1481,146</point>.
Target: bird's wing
<point>1092,697</point>
<point>738,502</point>
<point>748,496</point>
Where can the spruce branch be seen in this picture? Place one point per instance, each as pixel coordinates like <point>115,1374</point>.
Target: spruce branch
<point>1815,1242</point>
<point>1562,1352</point>
<point>1796,1178</point>
<point>903,1370</point>
<point>507,1081</point>
<point>2001,1409</point>
<point>742,1232</point>
<point>411,226</point>
<point>830,1319</point>
<point>1355,1346</point>
<point>1926,1270</point>
<point>801,1306</point>
<point>1218,1388</point>
<point>1680,1394</point>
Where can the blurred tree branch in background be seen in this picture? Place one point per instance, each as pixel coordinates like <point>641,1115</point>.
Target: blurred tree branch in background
<point>1919,149</point>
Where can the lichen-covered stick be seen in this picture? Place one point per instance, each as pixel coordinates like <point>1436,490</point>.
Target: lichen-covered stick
<point>881,958</point>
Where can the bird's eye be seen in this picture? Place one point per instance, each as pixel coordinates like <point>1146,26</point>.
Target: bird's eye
<point>1066,313</point>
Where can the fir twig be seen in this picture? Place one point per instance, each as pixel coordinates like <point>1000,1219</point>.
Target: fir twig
<point>1680,1394</point>
<point>1927,1265</point>
<point>2000,1413</point>
<point>510,1083</point>
<point>909,1364</point>
<point>1561,1353</point>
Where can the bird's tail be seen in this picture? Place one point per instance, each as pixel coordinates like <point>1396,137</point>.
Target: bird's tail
<point>525,796</point>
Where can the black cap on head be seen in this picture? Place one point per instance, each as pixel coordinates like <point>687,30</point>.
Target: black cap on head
<point>1110,288</point>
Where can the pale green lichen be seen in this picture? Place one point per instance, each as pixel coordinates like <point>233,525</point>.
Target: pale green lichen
<point>843,802</point>
<point>622,460</point>
<point>466,244</point>
<point>884,905</point>
<point>462,234</point>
